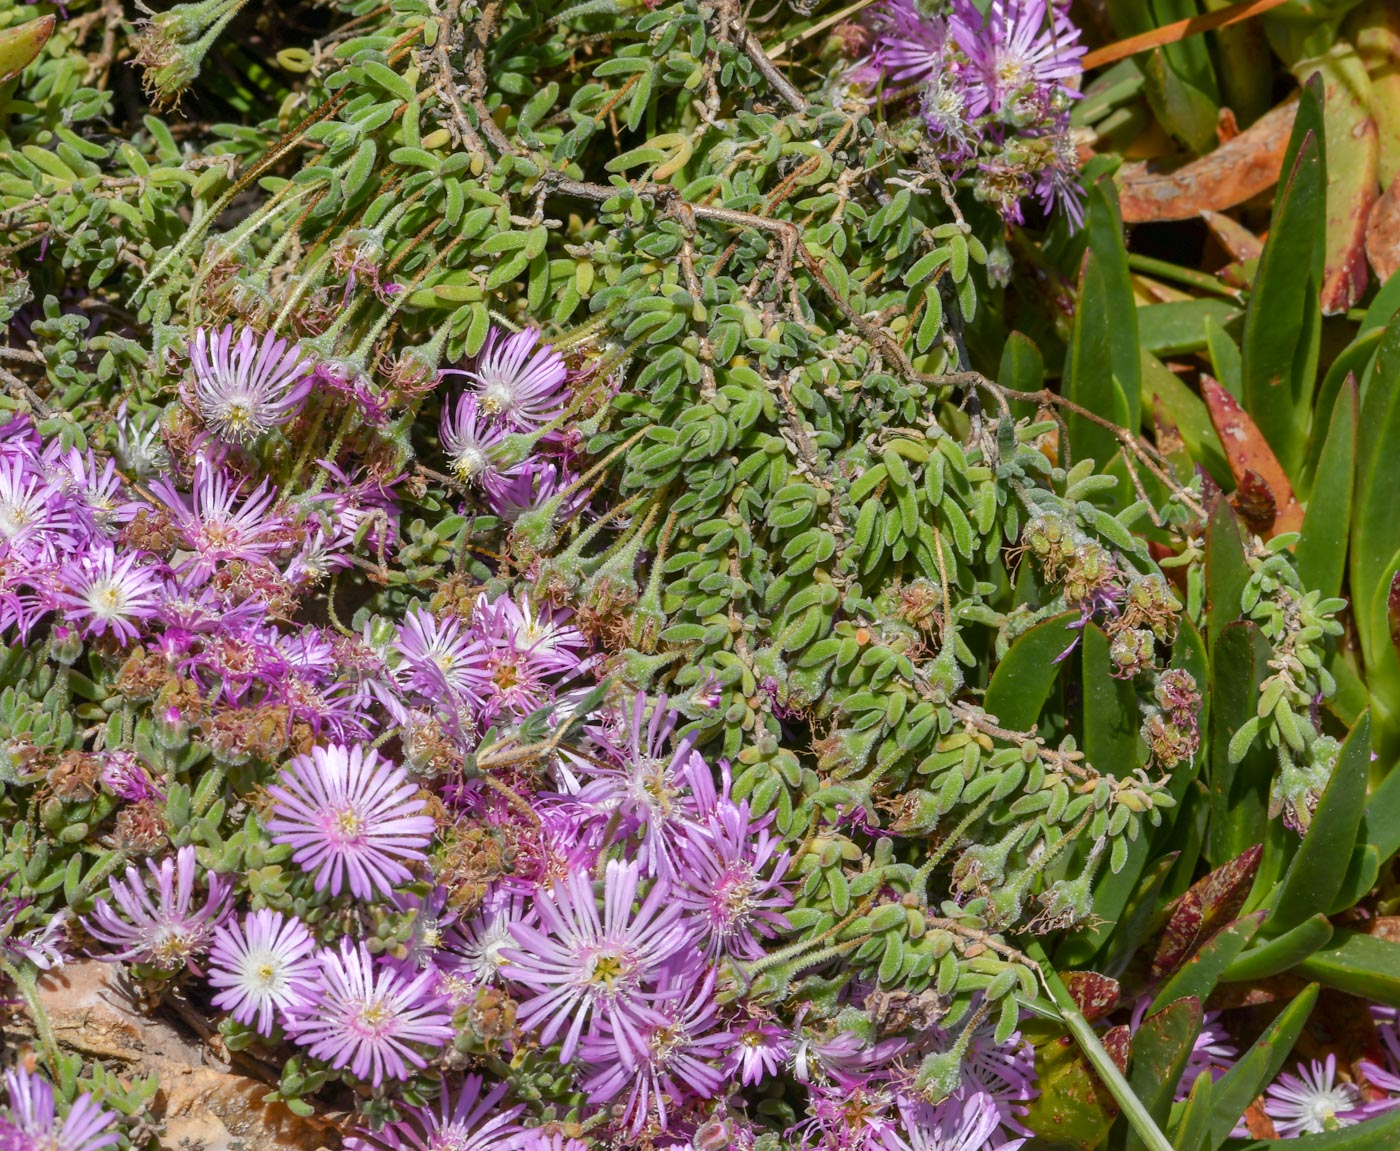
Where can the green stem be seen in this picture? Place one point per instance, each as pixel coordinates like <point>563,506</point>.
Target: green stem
<point>1137,1115</point>
<point>1166,270</point>
<point>28,985</point>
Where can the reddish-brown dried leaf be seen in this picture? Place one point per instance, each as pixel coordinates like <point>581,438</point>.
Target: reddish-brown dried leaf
<point>1352,167</point>
<point>1247,451</point>
<point>1392,603</point>
<point>1210,903</point>
<point>1118,1041</point>
<point>1383,233</point>
<point>1255,503</point>
<point>1234,237</point>
<point>1382,926</point>
<point>1096,994</point>
<point>1233,173</point>
<point>1258,1123</point>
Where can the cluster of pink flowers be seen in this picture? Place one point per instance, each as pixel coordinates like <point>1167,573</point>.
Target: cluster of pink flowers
<point>995,91</point>
<point>635,884</point>
<point>515,394</point>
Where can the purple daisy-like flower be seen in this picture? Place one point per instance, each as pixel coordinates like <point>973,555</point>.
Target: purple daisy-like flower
<point>216,527</point>
<point>1212,1049</point>
<point>518,381</point>
<point>660,793</point>
<point>850,1115</point>
<point>434,925</point>
<point>845,1057</point>
<point>542,632</point>
<point>168,932</point>
<point>96,489</point>
<point>523,654</point>
<point>44,947</point>
<point>760,1050</point>
<point>111,593</point>
<point>246,387</point>
<point>1017,46</point>
<point>478,943</point>
<point>583,966</point>
<point>1313,1100</point>
<point>962,1122</point>
<point>1005,1072</point>
<point>370,1018</point>
<point>126,777</point>
<point>475,441</point>
<point>530,487</point>
<point>473,1122</point>
<point>32,1123</point>
<point>436,653</point>
<point>351,818</point>
<point>721,868</point>
<point>678,1059</point>
<point>263,968</point>
<point>909,45</point>
<point>36,519</point>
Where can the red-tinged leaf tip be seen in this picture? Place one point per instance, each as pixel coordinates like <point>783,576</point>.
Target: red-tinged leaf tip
<point>1118,1041</point>
<point>1247,451</point>
<point>1096,995</point>
<point>20,45</point>
<point>1392,603</point>
<point>1209,903</point>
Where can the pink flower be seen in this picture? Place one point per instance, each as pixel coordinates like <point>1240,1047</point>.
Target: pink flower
<point>678,1059</point>
<point>266,966</point>
<point>584,966</point>
<point>245,388</point>
<point>214,524</point>
<point>170,931</point>
<point>351,818</point>
<point>110,593</point>
<point>32,1123</point>
<point>473,1123</point>
<point>517,382</point>
<point>475,441</point>
<point>369,1018</point>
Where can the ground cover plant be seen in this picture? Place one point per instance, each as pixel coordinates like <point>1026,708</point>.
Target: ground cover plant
<point>674,575</point>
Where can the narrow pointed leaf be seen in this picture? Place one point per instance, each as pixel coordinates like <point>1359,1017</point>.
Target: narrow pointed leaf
<point>1239,1086</point>
<point>1281,954</point>
<point>21,44</point>
<point>1282,325</point>
<point>1322,548</point>
<point>1203,972</point>
<point>1359,965</point>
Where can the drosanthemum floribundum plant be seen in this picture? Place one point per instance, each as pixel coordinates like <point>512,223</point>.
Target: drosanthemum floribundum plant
<point>369,1018</point>
<point>170,931</point>
<point>731,872</point>
<point>245,387</point>
<point>678,1060</point>
<point>351,818</point>
<point>217,527</point>
<point>264,968</point>
<point>472,1121</point>
<point>32,1123</point>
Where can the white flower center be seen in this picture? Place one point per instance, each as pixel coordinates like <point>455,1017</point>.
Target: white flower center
<point>263,973</point>
<point>106,598</point>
